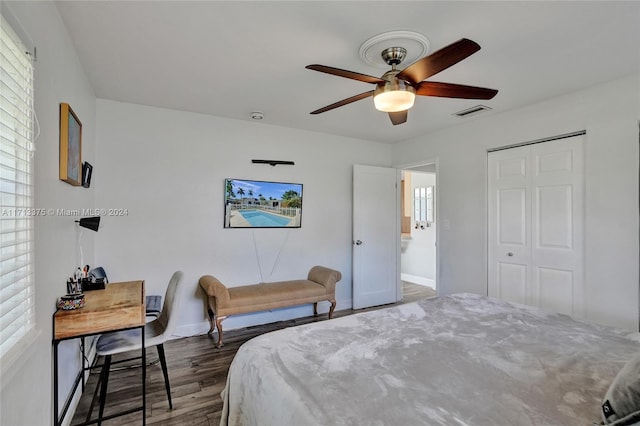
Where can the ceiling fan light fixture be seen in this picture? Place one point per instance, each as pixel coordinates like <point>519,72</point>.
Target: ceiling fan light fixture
<point>394,96</point>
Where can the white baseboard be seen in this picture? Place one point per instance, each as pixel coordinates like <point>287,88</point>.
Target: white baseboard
<point>418,280</point>
<point>189,330</point>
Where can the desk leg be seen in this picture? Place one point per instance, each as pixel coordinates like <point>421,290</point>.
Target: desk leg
<point>55,383</point>
<point>83,362</point>
<point>144,380</point>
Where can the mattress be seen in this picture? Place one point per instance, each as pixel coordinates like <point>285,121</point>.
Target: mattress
<point>461,359</point>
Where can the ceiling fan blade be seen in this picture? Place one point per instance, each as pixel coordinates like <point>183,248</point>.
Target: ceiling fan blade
<point>346,74</point>
<point>343,102</point>
<point>438,61</point>
<point>398,117</point>
<point>450,90</point>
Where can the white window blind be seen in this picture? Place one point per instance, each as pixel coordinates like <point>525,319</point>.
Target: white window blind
<point>17,313</point>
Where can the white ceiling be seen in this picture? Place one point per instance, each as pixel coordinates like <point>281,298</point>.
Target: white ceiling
<point>231,58</point>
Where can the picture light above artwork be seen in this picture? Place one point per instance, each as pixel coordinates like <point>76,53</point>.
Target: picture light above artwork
<point>273,162</point>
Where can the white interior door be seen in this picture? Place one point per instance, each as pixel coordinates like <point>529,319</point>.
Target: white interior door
<point>376,235</point>
<point>536,222</point>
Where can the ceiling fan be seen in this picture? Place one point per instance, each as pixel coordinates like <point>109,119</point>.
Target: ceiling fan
<point>396,90</point>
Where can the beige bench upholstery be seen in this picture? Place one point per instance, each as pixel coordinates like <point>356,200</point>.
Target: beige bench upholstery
<point>223,301</point>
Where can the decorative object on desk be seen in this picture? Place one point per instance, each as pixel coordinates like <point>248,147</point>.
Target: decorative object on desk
<point>74,283</point>
<point>260,204</point>
<point>73,286</point>
<point>77,275</point>
<point>87,171</point>
<point>71,301</point>
<point>70,146</point>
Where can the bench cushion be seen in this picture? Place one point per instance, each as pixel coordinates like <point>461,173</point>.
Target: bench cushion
<point>265,296</point>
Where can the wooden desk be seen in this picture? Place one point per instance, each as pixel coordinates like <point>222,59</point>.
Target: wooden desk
<point>120,306</point>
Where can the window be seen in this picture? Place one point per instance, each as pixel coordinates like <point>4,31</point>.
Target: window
<point>17,311</point>
<point>420,204</point>
<point>423,206</point>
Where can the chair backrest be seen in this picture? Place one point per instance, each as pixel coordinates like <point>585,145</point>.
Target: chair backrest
<point>172,299</point>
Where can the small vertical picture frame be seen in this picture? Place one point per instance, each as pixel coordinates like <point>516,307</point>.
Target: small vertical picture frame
<point>87,171</point>
<point>70,146</point>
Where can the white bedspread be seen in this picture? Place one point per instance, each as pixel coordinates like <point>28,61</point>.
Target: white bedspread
<point>455,360</point>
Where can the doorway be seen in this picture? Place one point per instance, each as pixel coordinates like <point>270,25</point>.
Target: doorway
<point>418,254</point>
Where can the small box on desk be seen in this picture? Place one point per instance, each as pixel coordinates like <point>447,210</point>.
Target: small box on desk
<point>88,285</point>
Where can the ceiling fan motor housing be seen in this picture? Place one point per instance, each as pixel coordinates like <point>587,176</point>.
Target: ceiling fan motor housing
<point>394,55</point>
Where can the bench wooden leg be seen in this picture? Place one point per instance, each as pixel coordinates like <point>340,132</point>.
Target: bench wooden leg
<point>216,322</point>
<point>211,321</point>
<point>333,306</point>
<point>219,325</point>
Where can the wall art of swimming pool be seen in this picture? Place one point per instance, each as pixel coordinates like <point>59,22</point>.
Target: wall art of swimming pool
<point>262,204</point>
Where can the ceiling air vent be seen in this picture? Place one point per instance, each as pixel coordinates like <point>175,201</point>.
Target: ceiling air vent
<point>471,111</point>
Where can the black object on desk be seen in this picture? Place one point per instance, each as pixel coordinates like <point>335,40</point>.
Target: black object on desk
<point>88,285</point>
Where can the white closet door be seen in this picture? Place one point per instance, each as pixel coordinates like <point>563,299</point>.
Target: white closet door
<point>536,221</point>
<point>510,224</point>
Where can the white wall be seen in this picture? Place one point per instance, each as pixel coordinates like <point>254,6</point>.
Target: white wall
<point>419,258</point>
<point>609,113</point>
<point>167,168</point>
<point>27,386</point>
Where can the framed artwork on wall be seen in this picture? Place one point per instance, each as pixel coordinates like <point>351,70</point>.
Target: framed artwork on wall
<point>70,146</point>
<point>262,204</point>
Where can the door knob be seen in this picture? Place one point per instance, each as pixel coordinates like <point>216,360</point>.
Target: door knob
<point>510,254</point>
<point>357,242</point>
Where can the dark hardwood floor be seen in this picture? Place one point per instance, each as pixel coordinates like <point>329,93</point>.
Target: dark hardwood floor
<point>197,372</point>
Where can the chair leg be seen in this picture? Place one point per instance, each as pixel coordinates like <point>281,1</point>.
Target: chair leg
<point>163,364</point>
<point>104,378</point>
<point>315,309</point>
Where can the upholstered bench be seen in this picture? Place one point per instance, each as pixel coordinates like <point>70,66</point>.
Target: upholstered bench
<point>223,301</point>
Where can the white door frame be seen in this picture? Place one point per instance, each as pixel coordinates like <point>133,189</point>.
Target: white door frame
<point>413,165</point>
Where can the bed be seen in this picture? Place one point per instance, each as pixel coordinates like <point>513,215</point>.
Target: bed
<point>461,359</point>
